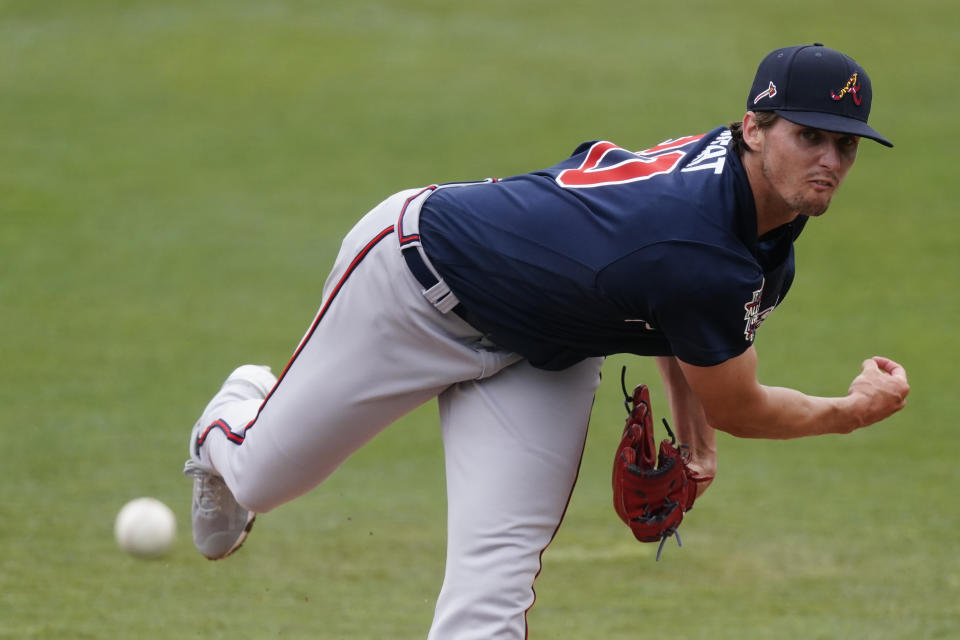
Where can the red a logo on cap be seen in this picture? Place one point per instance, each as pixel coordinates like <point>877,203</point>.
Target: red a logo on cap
<point>852,87</point>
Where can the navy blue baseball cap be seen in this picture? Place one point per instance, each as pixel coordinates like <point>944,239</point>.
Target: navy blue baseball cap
<point>815,86</point>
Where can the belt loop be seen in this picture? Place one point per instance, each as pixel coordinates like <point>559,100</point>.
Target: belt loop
<point>435,290</point>
<point>440,296</point>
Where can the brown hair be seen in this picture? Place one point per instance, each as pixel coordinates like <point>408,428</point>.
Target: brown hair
<point>765,120</point>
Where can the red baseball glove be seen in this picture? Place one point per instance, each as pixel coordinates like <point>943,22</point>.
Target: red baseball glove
<point>651,491</point>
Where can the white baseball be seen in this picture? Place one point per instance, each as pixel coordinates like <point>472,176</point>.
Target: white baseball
<point>145,528</point>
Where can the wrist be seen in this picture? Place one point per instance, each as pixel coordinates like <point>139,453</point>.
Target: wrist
<point>851,412</point>
<point>703,464</point>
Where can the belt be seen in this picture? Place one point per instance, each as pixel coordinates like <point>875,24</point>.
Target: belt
<point>418,267</point>
<point>436,290</point>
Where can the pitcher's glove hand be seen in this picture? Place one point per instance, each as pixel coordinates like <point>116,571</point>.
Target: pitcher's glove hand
<point>651,492</point>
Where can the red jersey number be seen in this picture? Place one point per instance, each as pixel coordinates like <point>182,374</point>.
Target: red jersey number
<point>642,165</point>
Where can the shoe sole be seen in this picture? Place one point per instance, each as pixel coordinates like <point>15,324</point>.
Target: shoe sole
<point>239,543</point>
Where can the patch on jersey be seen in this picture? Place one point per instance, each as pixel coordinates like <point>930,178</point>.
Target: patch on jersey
<point>769,93</point>
<point>754,315</point>
<point>852,87</point>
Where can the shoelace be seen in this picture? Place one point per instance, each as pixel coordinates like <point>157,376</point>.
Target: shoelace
<point>193,470</point>
<point>210,490</point>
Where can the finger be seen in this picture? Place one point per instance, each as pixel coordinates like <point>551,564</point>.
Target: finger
<point>889,366</point>
<point>897,374</point>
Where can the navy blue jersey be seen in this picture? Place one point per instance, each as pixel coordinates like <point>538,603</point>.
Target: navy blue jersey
<point>611,251</point>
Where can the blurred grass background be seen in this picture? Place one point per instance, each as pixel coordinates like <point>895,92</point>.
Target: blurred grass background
<point>175,178</point>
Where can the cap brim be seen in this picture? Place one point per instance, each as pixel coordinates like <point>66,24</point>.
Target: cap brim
<point>833,122</point>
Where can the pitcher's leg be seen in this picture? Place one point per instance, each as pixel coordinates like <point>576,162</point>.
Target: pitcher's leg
<point>376,350</point>
<point>513,445</point>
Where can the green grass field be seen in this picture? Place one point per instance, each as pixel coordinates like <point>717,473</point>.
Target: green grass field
<point>175,178</point>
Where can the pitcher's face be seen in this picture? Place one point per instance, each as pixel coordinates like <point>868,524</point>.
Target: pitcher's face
<point>804,166</point>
